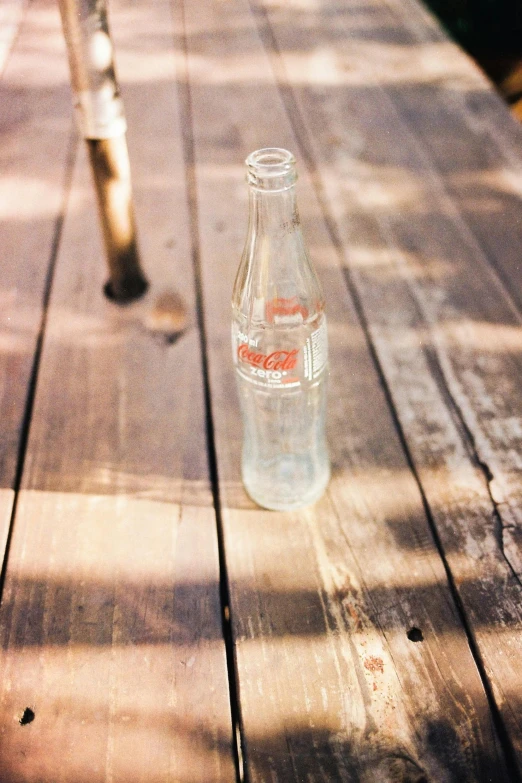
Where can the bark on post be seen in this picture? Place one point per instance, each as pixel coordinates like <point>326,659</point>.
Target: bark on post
<point>101,119</point>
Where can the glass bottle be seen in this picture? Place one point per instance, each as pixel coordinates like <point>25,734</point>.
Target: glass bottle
<point>280,348</point>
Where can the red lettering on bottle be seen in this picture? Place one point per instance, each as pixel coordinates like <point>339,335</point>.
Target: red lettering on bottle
<point>285,307</point>
<point>277,360</point>
<point>281,360</point>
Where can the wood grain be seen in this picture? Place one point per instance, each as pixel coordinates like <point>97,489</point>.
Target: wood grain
<point>111,619</point>
<point>485,178</point>
<point>111,636</point>
<point>331,686</point>
<point>446,330</point>
<point>35,126</point>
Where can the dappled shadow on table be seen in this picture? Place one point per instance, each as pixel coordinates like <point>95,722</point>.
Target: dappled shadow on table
<point>84,653</point>
<point>69,644</point>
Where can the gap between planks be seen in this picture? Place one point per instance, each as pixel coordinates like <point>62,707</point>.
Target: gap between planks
<point>190,174</point>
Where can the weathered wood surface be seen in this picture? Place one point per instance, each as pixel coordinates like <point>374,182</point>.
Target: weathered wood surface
<point>417,192</point>
<point>330,685</point>
<point>352,661</point>
<point>35,127</point>
<point>111,618</point>
<point>477,156</point>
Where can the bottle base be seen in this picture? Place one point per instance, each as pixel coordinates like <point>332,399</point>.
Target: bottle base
<point>279,490</point>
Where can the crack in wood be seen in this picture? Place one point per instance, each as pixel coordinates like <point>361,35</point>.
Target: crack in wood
<point>471,446</point>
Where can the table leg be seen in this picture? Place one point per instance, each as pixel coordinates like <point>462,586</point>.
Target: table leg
<point>101,119</point>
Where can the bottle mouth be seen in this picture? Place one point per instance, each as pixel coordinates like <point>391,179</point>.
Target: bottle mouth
<point>272,169</point>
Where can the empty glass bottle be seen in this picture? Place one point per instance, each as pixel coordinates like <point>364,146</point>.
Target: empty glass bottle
<point>280,346</point>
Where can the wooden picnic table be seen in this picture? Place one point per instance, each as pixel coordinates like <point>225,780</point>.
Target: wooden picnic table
<point>156,625</point>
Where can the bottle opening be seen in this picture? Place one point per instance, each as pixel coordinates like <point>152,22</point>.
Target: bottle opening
<point>271,169</point>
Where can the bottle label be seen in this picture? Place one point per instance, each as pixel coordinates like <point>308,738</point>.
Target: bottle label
<point>280,369</point>
<point>315,352</point>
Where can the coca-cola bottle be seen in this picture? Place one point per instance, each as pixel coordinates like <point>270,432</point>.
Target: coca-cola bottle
<point>279,345</point>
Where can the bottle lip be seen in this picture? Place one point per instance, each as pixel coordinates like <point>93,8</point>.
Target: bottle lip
<point>271,169</point>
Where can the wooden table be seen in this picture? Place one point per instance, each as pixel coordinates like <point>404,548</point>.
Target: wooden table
<point>156,625</point>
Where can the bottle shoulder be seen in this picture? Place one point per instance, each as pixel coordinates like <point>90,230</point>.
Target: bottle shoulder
<point>280,315</point>
<point>276,267</point>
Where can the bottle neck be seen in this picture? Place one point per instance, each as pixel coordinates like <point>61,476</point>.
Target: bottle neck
<point>273,213</point>
<point>275,284</point>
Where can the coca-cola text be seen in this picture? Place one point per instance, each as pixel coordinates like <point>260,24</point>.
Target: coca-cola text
<point>277,360</point>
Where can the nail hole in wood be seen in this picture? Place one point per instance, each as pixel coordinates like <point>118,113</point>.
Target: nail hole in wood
<point>27,717</point>
<point>415,635</point>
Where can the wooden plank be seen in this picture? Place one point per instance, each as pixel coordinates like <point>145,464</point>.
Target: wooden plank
<point>111,636</point>
<point>111,620</point>
<point>331,686</point>
<point>485,180</point>
<point>445,330</point>
<point>35,126</point>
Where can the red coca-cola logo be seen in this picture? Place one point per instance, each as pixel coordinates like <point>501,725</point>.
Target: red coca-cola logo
<point>277,360</point>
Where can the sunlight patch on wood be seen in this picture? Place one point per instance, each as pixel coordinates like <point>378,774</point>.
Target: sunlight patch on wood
<point>11,12</point>
<point>121,701</point>
<point>362,62</point>
<point>483,336</point>
<point>384,265</point>
<point>43,63</point>
<point>111,536</point>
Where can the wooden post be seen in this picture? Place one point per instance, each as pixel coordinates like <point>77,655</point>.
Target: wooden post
<point>101,119</point>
